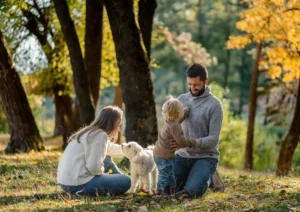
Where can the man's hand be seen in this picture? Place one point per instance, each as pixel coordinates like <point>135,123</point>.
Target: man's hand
<point>173,144</point>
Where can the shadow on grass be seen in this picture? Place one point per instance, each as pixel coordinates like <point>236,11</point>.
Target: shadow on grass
<point>13,199</point>
<point>99,203</point>
<point>9,168</point>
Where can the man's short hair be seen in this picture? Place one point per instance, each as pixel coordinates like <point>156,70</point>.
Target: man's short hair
<point>197,70</point>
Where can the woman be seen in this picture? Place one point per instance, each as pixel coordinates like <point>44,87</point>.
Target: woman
<point>81,167</point>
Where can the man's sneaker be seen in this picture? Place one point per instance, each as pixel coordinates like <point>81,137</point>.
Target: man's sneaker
<point>217,184</point>
<point>179,193</point>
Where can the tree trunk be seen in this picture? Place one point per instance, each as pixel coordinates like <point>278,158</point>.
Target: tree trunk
<point>119,102</point>
<point>290,142</point>
<point>252,109</point>
<point>227,68</point>
<point>63,105</point>
<point>242,77</point>
<point>80,79</point>
<point>135,78</point>
<point>24,134</point>
<point>201,20</point>
<point>93,45</point>
<point>145,17</point>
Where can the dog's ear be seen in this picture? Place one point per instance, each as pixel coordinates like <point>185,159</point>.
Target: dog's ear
<point>138,148</point>
<point>136,157</point>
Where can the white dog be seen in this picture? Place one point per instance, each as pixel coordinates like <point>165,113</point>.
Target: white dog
<point>142,167</point>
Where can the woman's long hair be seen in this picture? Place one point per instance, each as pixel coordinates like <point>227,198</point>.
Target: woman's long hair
<point>107,121</point>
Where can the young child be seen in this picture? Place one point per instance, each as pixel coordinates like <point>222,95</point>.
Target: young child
<point>164,155</point>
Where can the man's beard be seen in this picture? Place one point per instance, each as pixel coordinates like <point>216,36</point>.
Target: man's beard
<point>200,92</point>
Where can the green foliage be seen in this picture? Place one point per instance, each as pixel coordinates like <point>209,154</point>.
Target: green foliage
<point>3,122</point>
<point>296,161</point>
<point>44,113</point>
<point>233,139</point>
<point>233,133</point>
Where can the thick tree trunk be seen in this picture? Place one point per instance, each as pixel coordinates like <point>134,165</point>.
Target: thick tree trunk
<point>93,45</point>
<point>145,18</point>
<point>80,79</point>
<point>24,134</point>
<point>290,142</point>
<point>135,78</point>
<point>252,109</point>
<point>119,102</point>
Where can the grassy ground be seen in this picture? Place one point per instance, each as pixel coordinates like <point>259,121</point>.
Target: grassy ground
<point>28,182</point>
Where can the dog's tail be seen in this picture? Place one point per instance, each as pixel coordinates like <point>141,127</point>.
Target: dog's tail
<point>150,147</point>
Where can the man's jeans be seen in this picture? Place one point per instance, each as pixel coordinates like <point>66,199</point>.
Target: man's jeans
<point>112,184</point>
<point>194,175</point>
<point>166,177</point>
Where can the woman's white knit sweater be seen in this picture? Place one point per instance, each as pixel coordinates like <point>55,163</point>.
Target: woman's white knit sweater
<point>80,162</point>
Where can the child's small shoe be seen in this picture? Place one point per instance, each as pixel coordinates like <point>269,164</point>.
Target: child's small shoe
<point>172,191</point>
<point>159,192</point>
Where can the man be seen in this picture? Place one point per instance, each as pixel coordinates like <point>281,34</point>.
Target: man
<point>195,168</point>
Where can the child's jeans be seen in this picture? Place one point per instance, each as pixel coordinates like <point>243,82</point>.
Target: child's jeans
<point>166,177</point>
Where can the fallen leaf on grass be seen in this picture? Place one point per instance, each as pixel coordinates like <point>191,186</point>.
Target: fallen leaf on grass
<point>282,193</point>
<point>187,203</point>
<point>174,200</point>
<point>212,201</point>
<point>142,208</point>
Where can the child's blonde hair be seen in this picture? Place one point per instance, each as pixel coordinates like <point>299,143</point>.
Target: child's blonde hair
<point>172,109</point>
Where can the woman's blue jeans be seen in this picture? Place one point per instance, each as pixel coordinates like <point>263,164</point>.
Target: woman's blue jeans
<point>194,175</point>
<point>115,183</point>
<point>112,184</point>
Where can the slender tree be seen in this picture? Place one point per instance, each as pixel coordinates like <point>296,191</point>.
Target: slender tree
<point>93,45</point>
<point>135,77</point>
<point>24,134</point>
<point>80,79</point>
<point>252,110</point>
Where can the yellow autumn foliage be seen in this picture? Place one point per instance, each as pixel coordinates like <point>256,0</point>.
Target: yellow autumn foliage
<point>274,23</point>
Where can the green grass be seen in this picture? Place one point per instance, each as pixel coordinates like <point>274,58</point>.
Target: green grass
<point>28,182</point>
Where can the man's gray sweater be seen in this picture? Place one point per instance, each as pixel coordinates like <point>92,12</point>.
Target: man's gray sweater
<point>203,124</point>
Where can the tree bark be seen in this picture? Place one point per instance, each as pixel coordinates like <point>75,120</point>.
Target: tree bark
<point>24,134</point>
<point>290,142</point>
<point>252,109</point>
<point>80,79</point>
<point>135,78</point>
<point>119,102</point>
<point>93,45</point>
<point>145,18</point>
<point>63,114</point>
